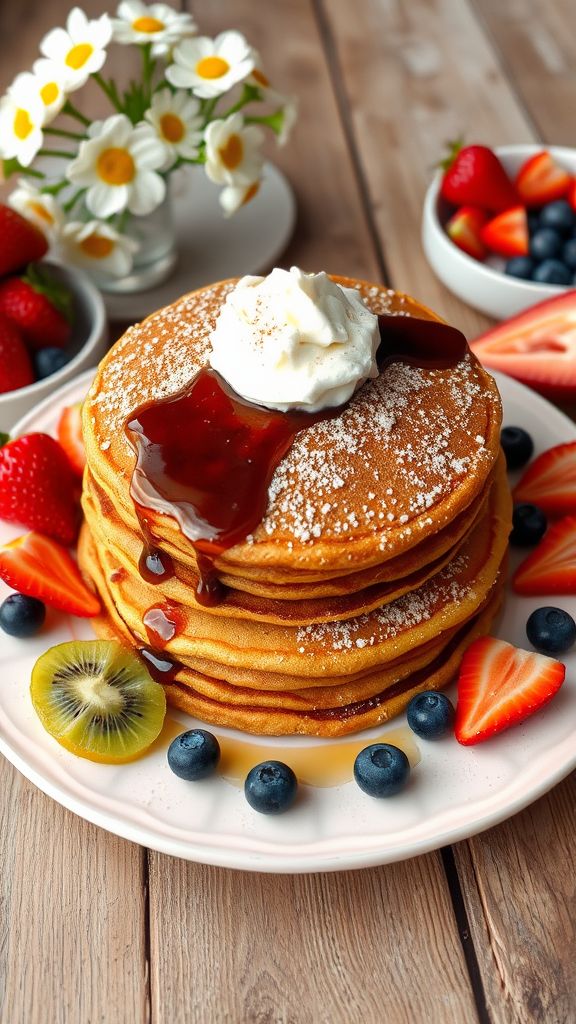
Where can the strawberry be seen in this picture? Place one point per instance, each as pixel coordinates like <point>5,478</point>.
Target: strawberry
<point>69,433</point>
<point>37,307</point>
<point>507,234</point>
<point>571,196</point>
<point>550,481</point>
<point>20,241</point>
<point>464,230</point>
<point>551,567</point>
<point>15,366</point>
<point>37,487</point>
<point>500,685</point>
<point>474,176</point>
<point>39,567</point>
<point>540,180</point>
<point>538,347</point>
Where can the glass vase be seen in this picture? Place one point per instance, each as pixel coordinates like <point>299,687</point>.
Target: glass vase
<point>156,256</point>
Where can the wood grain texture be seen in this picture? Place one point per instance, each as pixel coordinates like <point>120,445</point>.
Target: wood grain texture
<point>364,946</point>
<point>415,75</point>
<point>519,885</point>
<point>72,921</point>
<point>536,46</point>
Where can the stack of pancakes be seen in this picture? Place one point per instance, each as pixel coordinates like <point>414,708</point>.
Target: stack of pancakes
<point>381,555</point>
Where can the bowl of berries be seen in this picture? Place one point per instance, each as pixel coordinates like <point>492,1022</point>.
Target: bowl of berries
<point>52,320</point>
<point>499,226</point>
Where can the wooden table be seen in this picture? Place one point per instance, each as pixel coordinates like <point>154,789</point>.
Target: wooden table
<point>95,929</point>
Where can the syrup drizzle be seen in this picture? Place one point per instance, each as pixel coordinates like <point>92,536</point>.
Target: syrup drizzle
<point>162,623</point>
<point>207,457</point>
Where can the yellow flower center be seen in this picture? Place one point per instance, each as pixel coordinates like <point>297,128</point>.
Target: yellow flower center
<point>171,127</point>
<point>49,93</point>
<point>212,67</point>
<point>148,25</point>
<point>97,247</point>
<point>252,191</point>
<point>78,55</point>
<point>41,212</point>
<point>22,124</point>
<point>115,166</point>
<point>260,78</point>
<point>232,153</point>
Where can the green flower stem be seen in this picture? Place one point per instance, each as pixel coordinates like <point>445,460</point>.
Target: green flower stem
<point>13,166</point>
<point>121,222</point>
<point>109,89</point>
<point>64,134</point>
<point>208,108</point>
<point>250,94</point>
<point>73,111</point>
<point>53,190</point>
<point>273,121</point>
<point>73,200</point>
<point>57,152</point>
<point>148,68</point>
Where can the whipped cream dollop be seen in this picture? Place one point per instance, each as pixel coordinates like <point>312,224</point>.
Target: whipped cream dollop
<point>294,341</point>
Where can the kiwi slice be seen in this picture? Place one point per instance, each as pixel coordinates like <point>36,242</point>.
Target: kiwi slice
<point>97,699</point>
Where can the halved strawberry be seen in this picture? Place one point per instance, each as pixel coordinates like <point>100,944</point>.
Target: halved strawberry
<point>550,481</point>
<point>37,487</point>
<point>507,234</point>
<point>69,433</point>
<point>551,567</point>
<point>39,567</point>
<point>464,229</point>
<point>538,347</point>
<point>540,180</point>
<point>500,685</point>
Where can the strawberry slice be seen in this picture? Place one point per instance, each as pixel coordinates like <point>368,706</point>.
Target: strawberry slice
<point>474,176</point>
<point>69,433</point>
<point>537,347</point>
<point>501,685</point>
<point>550,481</point>
<point>551,567</point>
<point>464,229</point>
<point>540,180</point>
<point>39,567</point>
<point>37,487</point>
<point>507,234</point>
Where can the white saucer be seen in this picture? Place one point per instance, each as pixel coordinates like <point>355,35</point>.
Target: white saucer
<point>211,247</point>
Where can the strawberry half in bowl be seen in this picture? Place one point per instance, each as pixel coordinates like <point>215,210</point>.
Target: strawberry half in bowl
<point>85,346</point>
<point>482,282</point>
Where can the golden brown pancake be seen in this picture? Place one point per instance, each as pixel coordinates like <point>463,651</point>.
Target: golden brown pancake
<point>379,557</point>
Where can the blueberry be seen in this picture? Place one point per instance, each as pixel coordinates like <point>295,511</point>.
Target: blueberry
<point>194,755</point>
<point>520,266</point>
<point>528,525</point>
<point>21,616</point>
<point>48,360</point>
<point>271,787</point>
<point>558,215</point>
<point>545,244</point>
<point>552,272</point>
<point>381,769</point>
<point>551,630</point>
<point>430,714</point>
<point>517,445</point>
<point>569,253</point>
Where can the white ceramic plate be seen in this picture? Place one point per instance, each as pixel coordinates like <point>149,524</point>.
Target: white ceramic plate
<point>454,791</point>
<point>211,247</point>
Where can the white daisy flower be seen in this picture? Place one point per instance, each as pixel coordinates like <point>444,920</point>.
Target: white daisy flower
<point>234,196</point>
<point>118,165</point>
<point>178,124</point>
<point>80,48</point>
<point>287,106</point>
<point>98,247</point>
<point>47,82</point>
<point>41,208</point>
<point>211,67</point>
<point>233,151</point>
<point>21,120</point>
<point>157,24</point>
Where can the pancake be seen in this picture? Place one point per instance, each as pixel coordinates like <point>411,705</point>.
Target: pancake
<point>380,555</point>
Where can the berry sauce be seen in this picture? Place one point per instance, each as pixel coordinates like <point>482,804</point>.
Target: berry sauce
<point>207,457</point>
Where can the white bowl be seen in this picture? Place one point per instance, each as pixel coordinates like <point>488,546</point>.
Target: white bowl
<point>89,343</point>
<point>483,285</point>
